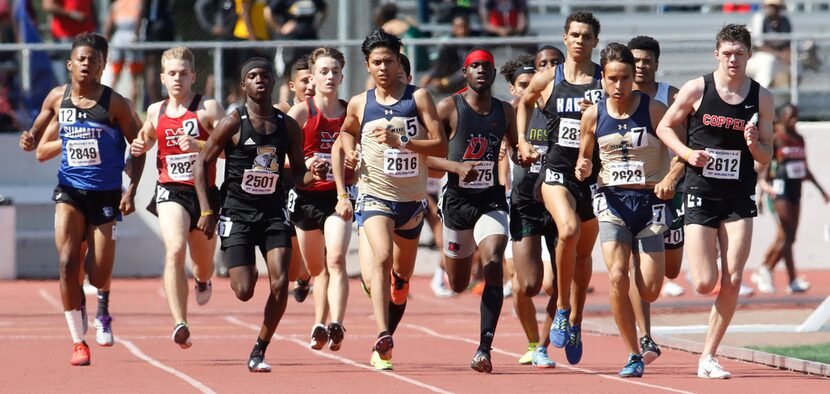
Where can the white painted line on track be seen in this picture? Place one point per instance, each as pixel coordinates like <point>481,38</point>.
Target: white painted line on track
<point>437,334</point>
<point>347,361</point>
<point>51,300</point>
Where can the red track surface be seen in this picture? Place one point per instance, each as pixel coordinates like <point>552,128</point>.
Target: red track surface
<point>434,346</point>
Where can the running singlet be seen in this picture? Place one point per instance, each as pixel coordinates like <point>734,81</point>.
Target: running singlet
<point>477,138</point>
<point>630,152</point>
<point>390,173</point>
<point>662,94</point>
<point>175,165</point>
<point>718,128</point>
<point>319,133</point>
<point>790,156</point>
<point>253,166</point>
<point>524,179</point>
<point>564,115</point>
<point>92,146</point>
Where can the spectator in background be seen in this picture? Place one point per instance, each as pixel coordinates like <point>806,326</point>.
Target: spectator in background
<point>156,25</point>
<point>69,18</point>
<point>8,65</point>
<point>504,18</point>
<point>386,18</point>
<point>121,27</point>
<point>293,20</point>
<point>770,60</point>
<point>445,74</point>
<point>250,26</point>
<point>216,17</point>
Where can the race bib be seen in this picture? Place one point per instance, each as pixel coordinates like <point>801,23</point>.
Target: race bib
<point>327,158</point>
<point>626,173</point>
<point>568,133</point>
<point>658,214</point>
<point>484,178</point>
<point>82,153</point>
<point>553,177</point>
<point>600,203</point>
<point>723,164</point>
<point>796,169</point>
<point>673,236</point>
<point>259,181</point>
<point>537,166</point>
<point>594,95</point>
<point>400,163</point>
<point>224,228</point>
<point>291,201</point>
<point>778,186</point>
<point>639,137</point>
<point>180,167</point>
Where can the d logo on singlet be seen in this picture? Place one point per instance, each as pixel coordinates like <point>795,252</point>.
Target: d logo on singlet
<point>476,148</point>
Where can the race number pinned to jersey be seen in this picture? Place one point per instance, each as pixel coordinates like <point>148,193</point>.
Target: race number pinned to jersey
<point>796,169</point>
<point>723,164</point>
<point>484,178</point>
<point>673,236</point>
<point>224,228</point>
<point>291,200</point>
<point>568,133</point>
<point>594,95</point>
<point>82,153</point>
<point>259,182</point>
<point>537,166</point>
<point>659,214</point>
<point>180,167</point>
<point>639,137</point>
<point>553,176</point>
<point>66,115</point>
<point>327,158</point>
<point>400,163</point>
<point>600,204</point>
<point>626,173</point>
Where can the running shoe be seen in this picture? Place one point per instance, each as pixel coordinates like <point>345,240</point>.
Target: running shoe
<point>439,288</point>
<point>319,337</point>
<point>800,285</point>
<point>541,358</point>
<point>80,354</point>
<point>103,330</point>
<point>746,291</point>
<point>573,348</point>
<point>384,346</point>
<point>301,289</point>
<point>527,358</point>
<point>708,367</point>
<point>335,332</point>
<point>181,335</point>
<point>507,289</point>
<point>400,288</point>
<point>649,348</point>
<point>256,363</point>
<point>762,277</point>
<point>634,368</point>
<point>481,362</point>
<point>560,329</point>
<point>671,289</point>
<point>203,292</point>
<point>379,363</point>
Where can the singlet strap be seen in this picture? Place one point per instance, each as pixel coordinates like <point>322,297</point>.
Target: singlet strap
<point>312,107</point>
<point>194,104</point>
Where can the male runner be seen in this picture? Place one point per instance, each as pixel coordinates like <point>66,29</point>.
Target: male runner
<point>725,138</point>
<point>397,126</point>
<point>256,139</point>
<point>181,124</point>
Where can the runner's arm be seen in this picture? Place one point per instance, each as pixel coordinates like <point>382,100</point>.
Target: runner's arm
<point>303,177</point>
<point>222,134</point>
<point>49,146</point>
<point>30,138</point>
<point>538,84</point>
<point>759,136</point>
<point>675,118</point>
<point>436,144</point>
<point>587,139</point>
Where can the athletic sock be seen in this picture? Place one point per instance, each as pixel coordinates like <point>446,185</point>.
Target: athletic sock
<point>260,346</point>
<point>103,303</point>
<point>75,321</point>
<point>395,315</point>
<point>491,302</point>
<point>383,334</point>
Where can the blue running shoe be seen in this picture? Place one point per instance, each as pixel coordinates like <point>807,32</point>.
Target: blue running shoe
<point>541,359</point>
<point>634,368</point>
<point>573,349</point>
<point>560,329</point>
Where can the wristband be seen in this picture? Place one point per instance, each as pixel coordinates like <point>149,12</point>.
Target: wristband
<point>342,196</point>
<point>201,144</point>
<point>207,213</point>
<point>686,156</point>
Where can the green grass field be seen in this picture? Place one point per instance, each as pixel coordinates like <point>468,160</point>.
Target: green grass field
<point>820,352</point>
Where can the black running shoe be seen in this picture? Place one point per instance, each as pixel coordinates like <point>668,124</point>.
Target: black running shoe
<point>384,347</point>
<point>301,290</point>
<point>181,335</point>
<point>481,362</point>
<point>650,350</point>
<point>336,333</point>
<point>319,337</point>
<point>256,363</point>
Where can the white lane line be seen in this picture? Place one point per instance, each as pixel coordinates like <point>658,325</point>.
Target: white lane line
<point>302,344</point>
<point>158,364</point>
<point>51,300</point>
<point>558,365</point>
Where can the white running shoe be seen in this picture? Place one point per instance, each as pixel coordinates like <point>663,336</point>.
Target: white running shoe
<point>762,277</point>
<point>203,296</point>
<point>746,291</point>
<point>708,367</point>
<point>103,330</point>
<point>507,289</point>
<point>671,289</point>
<point>439,288</point>
<point>800,285</point>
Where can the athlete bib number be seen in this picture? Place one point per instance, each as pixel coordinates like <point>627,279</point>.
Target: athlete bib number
<point>626,173</point>
<point>673,236</point>
<point>658,214</point>
<point>400,163</point>
<point>327,158</point>
<point>600,203</point>
<point>554,177</point>
<point>723,164</point>
<point>82,153</point>
<point>259,182</point>
<point>484,178</point>
<point>180,167</point>
<point>796,169</point>
<point>537,166</point>
<point>568,133</point>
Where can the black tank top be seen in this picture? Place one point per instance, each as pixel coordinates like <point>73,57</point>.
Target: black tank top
<point>718,128</point>
<point>564,115</point>
<point>524,179</point>
<point>253,166</point>
<point>477,138</point>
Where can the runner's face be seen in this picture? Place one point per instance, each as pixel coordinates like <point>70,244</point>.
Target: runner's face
<point>258,84</point>
<point>383,66</point>
<point>405,79</point>
<point>177,76</point>
<point>646,66</point>
<point>789,117</point>
<point>85,64</point>
<point>327,75</point>
<point>480,76</point>
<point>547,59</point>
<point>580,41</point>
<point>732,58</point>
<point>520,84</point>
<point>303,86</point>
<point>618,80</point>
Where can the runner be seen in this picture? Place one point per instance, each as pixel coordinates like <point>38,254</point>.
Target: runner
<point>182,123</point>
<point>312,208</point>
<point>94,123</point>
<point>646,51</point>
<point>570,88</point>
<point>629,201</point>
<point>548,56</point>
<point>529,221</point>
<point>473,205</point>
<point>256,139</point>
<point>785,192</point>
<point>401,127</point>
<point>725,137</point>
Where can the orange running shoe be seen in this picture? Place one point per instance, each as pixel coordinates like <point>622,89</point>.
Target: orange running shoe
<point>400,289</point>
<point>80,354</point>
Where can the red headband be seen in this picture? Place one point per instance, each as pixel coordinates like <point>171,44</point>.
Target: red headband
<point>477,56</point>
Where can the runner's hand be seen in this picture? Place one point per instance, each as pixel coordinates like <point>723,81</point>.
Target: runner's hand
<point>207,224</point>
<point>127,204</point>
<point>698,158</point>
<point>352,158</point>
<point>466,171</point>
<point>585,104</point>
<point>344,209</point>
<point>27,141</point>
<point>138,146</point>
<point>583,168</point>
<point>386,136</point>
<point>751,134</point>
<point>665,189</point>
<point>188,144</point>
<point>527,154</point>
<point>318,168</point>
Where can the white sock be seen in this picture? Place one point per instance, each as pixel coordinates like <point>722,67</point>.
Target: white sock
<point>439,274</point>
<point>74,320</point>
